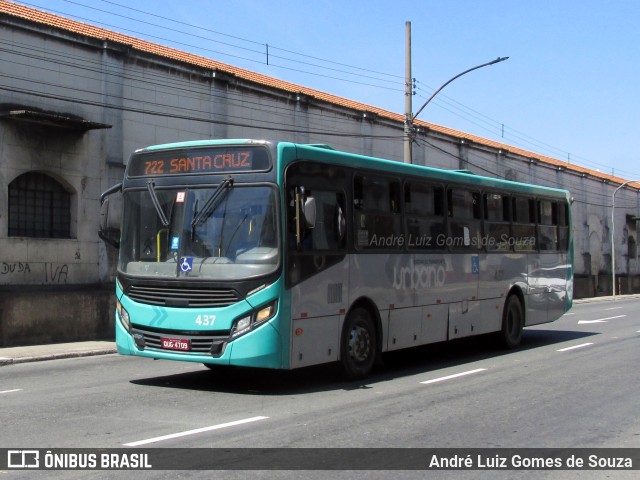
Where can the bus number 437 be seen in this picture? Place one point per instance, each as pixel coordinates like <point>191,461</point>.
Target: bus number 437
<point>205,320</point>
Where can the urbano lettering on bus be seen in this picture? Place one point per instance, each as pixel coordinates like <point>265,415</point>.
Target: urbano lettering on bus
<point>417,275</point>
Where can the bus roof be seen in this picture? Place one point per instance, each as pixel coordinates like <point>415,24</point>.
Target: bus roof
<point>327,153</point>
<point>392,166</point>
<point>203,143</point>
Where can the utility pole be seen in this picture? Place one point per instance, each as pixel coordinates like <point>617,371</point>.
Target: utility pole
<point>408,94</point>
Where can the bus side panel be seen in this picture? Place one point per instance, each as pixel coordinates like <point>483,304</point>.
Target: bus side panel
<point>315,340</point>
<point>559,298</point>
<point>405,328</point>
<point>499,272</point>
<point>452,280</point>
<point>547,287</point>
<point>387,280</point>
<point>435,323</point>
<point>415,293</point>
<point>318,305</point>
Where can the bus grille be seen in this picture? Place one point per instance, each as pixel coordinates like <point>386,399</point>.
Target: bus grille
<point>211,343</point>
<point>183,297</point>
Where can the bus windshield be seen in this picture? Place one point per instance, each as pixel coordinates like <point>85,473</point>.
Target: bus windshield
<point>233,237</point>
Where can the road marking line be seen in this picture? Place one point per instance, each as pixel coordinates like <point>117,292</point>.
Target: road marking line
<point>600,320</point>
<point>193,432</point>
<point>614,308</point>
<point>11,391</point>
<point>449,377</point>
<point>574,347</point>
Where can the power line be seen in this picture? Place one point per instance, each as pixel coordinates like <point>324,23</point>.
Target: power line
<point>511,135</point>
<point>153,82</point>
<point>279,126</point>
<point>259,53</point>
<point>584,192</point>
<point>254,42</point>
<point>364,79</point>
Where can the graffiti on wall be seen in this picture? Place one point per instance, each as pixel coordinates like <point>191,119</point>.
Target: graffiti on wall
<point>33,273</point>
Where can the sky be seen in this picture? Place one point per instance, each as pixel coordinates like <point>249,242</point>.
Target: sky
<point>569,89</point>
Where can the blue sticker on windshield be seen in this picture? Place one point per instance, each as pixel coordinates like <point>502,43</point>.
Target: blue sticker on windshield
<point>175,243</point>
<point>186,264</point>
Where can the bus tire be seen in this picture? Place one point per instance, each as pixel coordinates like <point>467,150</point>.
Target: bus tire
<point>512,323</point>
<point>358,345</point>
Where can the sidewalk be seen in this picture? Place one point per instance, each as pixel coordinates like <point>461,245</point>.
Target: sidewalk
<point>13,355</point>
<point>608,298</point>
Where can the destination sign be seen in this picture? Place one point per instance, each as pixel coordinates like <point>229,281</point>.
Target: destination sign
<point>199,161</point>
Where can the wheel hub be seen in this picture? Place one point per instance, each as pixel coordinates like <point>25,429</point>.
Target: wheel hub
<point>359,344</point>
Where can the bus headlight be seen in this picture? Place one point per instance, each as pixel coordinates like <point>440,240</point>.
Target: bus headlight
<point>241,326</point>
<point>257,317</point>
<point>123,315</point>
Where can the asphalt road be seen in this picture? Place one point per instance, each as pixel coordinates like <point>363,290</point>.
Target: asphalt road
<point>573,383</point>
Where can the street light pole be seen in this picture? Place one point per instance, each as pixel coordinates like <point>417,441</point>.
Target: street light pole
<point>613,248</point>
<point>409,128</point>
<point>408,94</point>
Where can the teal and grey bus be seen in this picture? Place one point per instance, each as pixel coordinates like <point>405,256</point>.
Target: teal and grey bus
<point>281,255</point>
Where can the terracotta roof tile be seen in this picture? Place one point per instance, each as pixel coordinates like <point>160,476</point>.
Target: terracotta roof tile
<point>91,31</point>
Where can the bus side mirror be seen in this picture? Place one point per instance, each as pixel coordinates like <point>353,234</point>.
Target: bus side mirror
<point>108,233</point>
<point>309,211</point>
<point>341,224</point>
<point>305,214</point>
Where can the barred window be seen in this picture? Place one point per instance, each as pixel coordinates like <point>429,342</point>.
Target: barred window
<point>39,207</point>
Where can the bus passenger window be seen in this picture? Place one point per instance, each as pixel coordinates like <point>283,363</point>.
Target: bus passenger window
<point>496,227</point>
<point>547,227</point>
<point>377,207</point>
<point>424,208</point>
<point>376,194</point>
<point>563,226</point>
<point>464,224</point>
<point>524,224</point>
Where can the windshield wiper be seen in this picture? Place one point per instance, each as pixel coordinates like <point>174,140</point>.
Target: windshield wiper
<point>156,203</point>
<point>209,207</point>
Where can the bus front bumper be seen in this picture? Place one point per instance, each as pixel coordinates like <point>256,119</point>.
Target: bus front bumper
<point>259,348</point>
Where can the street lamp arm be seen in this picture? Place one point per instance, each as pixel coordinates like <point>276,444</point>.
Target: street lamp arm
<point>497,60</point>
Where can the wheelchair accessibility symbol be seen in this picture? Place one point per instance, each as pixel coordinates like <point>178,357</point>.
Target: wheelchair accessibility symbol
<point>186,264</point>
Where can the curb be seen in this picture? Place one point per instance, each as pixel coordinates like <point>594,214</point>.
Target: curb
<point>608,298</point>
<point>55,356</point>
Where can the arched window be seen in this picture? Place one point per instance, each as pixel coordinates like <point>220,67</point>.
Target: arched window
<point>39,207</point>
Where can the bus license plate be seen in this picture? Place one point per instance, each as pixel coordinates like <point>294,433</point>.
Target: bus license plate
<point>175,344</point>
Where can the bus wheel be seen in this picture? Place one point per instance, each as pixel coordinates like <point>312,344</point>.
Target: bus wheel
<point>512,323</point>
<point>358,344</point>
